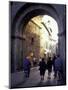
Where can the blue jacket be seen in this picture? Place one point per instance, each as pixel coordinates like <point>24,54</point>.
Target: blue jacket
<point>58,64</point>
<point>26,64</point>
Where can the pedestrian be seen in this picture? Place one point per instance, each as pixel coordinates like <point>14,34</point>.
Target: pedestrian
<point>49,67</point>
<point>59,67</point>
<point>34,62</point>
<point>42,68</point>
<point>26,66</point>
<point>53,63</point>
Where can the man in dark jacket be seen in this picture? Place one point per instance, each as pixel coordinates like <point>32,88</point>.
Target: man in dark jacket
<point>42,68</point>
<point>53,63</point>
<point>49,67</point>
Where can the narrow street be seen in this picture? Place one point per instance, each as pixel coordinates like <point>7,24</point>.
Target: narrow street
<point>37,31</point>
<point>34,80</point>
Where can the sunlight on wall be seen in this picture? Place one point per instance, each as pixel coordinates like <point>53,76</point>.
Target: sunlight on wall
<point>51,24</point>
<point>44,35</point>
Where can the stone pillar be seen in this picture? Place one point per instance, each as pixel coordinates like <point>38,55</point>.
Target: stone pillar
<point>13,54</point>
<point>62,52</point>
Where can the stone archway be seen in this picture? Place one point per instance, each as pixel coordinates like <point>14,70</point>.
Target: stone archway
<point>21,19</point>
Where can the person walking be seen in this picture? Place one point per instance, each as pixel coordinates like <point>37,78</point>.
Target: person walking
<point>42,68</point>
<point>26,66</point>
<point>53,63</point>
<point>59,67</point>
<point>34,62</point>
<point>49,67</point>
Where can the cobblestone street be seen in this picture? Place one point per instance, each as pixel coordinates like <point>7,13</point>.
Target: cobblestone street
<point>34,80</point>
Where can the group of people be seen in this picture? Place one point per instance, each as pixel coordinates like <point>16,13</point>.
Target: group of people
<point>56,62</point>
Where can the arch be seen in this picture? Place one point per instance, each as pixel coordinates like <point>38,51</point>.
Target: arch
<point>31,10</point>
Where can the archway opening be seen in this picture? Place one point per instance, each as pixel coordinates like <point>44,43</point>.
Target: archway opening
<point>41,37</point>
